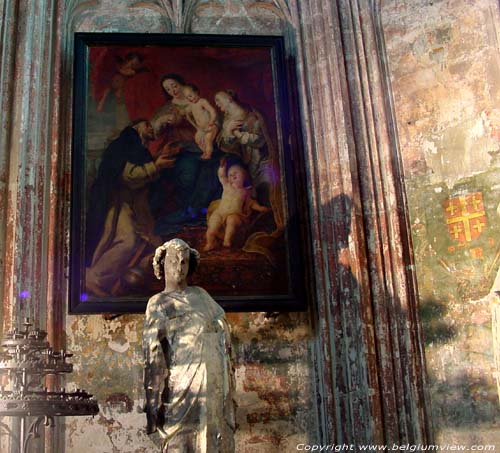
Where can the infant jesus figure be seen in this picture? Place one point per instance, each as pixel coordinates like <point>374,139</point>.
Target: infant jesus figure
<point>203,117</point>
<point>233,209</point>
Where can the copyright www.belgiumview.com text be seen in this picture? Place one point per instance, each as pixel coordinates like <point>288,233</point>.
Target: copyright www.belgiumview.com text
<point>394,447</point>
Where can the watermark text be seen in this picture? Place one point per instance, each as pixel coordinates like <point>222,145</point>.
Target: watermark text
<point>393,447</point>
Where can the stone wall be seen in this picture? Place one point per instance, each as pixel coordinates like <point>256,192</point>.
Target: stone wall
<point>444,60</point>
<point>359,344</point>
<point>350,369</point>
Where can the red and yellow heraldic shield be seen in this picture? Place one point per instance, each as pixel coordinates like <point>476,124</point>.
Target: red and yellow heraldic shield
<point>465,216</point>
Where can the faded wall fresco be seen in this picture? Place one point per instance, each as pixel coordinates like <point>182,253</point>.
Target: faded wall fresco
<point>444,60</point>
<point>276,408</point>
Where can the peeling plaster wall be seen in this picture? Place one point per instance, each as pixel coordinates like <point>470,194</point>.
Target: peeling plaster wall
<point>365,343</point>
<point>444,60</point>
<point>276,407</point>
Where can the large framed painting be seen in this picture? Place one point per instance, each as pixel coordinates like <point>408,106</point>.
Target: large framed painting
<point>184,136</point>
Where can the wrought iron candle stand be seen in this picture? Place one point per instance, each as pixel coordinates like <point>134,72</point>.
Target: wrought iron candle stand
<point>25,359</point>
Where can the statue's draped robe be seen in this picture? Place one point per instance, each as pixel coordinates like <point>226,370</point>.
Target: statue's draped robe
<point>188,373</point>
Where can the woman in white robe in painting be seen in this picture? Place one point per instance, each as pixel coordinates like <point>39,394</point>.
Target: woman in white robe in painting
<point>188,374</point>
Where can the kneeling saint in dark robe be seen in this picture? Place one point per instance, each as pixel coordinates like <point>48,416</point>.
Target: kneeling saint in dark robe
<point>119,220</point>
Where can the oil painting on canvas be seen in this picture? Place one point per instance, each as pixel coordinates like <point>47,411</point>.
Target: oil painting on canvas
<point>180,140</point>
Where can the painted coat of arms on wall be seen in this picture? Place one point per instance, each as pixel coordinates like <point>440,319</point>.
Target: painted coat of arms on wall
<point>465,216</point>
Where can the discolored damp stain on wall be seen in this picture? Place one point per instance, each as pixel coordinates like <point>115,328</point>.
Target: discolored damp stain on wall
<point>120,402</point>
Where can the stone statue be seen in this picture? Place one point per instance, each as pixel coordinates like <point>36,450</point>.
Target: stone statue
<point>188,376</point>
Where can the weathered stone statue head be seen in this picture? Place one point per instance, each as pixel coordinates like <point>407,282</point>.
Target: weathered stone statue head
<point>174,261</point>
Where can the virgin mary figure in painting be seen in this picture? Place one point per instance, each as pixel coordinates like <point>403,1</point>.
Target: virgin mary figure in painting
<point>188,376</point>
<point>192,182</point>
<point>169,121</point>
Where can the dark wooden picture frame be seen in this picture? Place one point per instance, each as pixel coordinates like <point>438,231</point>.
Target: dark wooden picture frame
<point>185,136</point>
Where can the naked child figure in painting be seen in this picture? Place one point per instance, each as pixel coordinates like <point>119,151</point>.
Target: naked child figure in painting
<point>188,376</point>
<point>203,117</point>
<point>232,212</point>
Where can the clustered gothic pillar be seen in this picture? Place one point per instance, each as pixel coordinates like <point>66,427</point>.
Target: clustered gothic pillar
<point>369,350</point>
<point>31,231</point>
<point>367,344</point>
<point>29,155</point>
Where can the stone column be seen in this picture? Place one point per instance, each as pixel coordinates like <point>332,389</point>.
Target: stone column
<point>30,228</point>
<point>28,96</point>
<point>369,351</point>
